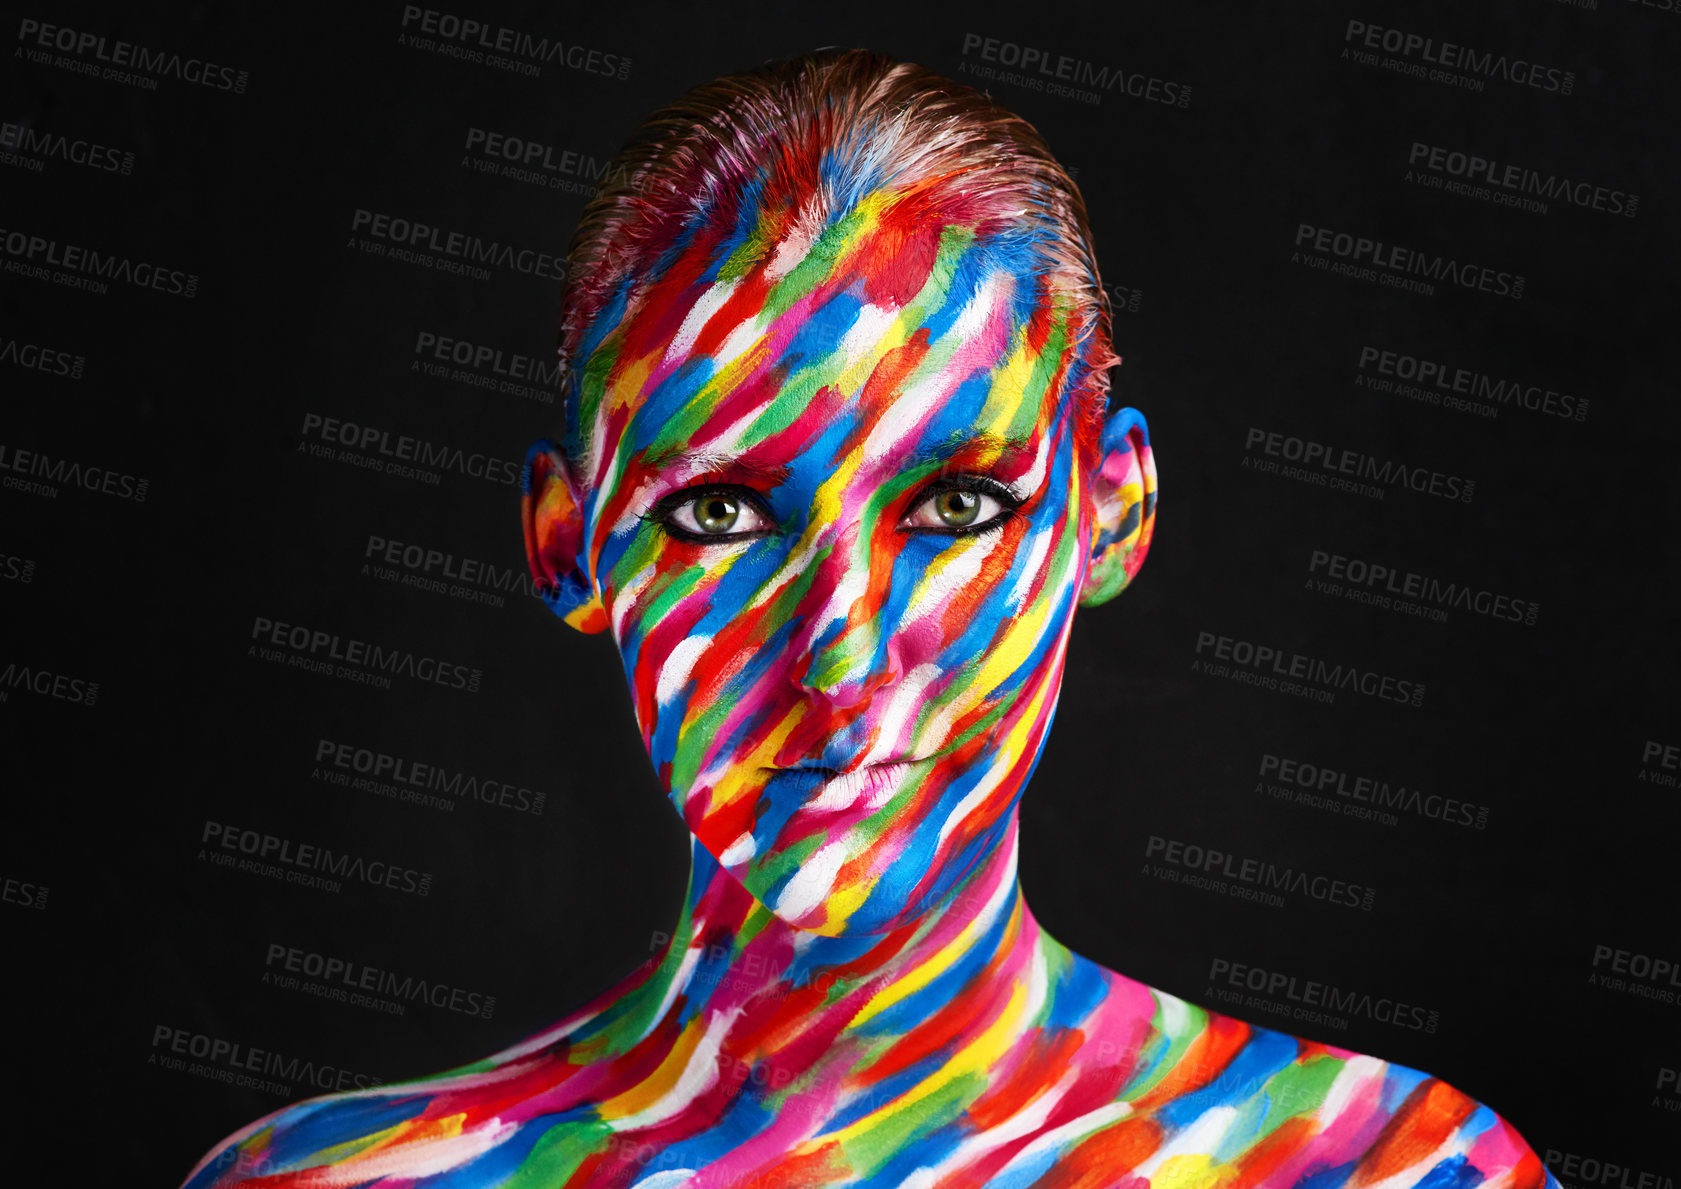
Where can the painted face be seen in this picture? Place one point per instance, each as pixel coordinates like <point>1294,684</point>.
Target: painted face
<point>836,512</point>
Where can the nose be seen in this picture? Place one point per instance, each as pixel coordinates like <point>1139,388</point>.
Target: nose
<point>843,651</point>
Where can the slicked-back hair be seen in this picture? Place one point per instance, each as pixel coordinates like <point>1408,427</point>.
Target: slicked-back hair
<point>833,128</point>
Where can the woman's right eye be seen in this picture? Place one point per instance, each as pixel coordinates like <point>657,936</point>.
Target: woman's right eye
<point>715,515</point>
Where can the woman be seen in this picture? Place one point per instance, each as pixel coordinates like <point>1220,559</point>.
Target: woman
<point>837,471</point>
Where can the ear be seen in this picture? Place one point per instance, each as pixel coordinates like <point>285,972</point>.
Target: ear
<point>1124,496</point>
<point>552,509</point>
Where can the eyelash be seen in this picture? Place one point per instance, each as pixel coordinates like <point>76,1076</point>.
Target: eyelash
<point>661,513</point>
<point>1008,502</point>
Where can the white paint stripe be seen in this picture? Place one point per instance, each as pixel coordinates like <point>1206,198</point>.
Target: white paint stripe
<point>1199,1139</point>
<point>1023,1122</point>
<point>699,1074</point>
<point>705,306</point>
<point>905,700</point>
<point>674,674</point>
<point>739,851</point>
<point>866,332</point>
<point>416,1160</point>
<point>1058,1136</point>
<point>811,883</point>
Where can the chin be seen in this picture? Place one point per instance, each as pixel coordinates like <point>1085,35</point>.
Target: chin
<point>810,899</point>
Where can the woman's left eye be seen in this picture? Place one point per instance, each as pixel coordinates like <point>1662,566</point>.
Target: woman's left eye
<point>957,509</point>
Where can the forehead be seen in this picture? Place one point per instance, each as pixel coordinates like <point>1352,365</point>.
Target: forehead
<point>899,319</point>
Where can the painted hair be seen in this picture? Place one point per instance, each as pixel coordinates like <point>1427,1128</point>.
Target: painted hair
<point>735,163</point>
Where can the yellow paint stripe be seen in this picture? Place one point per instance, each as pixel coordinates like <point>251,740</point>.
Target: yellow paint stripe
<point>379,1144</point>
<point>627,387</point>
<point>742,777</point>
<point>1190,1171</point>
<point>981,1054</point>
<point>919,977</point>
<point>1009,387</point>
<point>1011,653</point>
<point>663,1080</point>
<point>841,903</point>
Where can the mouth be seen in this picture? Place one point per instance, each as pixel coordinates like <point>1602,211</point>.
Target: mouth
<point>829,790</point>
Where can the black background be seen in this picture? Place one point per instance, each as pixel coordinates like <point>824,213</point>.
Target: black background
<point>1195,210</point>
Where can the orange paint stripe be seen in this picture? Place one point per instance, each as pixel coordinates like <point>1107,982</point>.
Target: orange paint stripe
<point>1429,1115</point>
<point>1043,1063</point>
<point>1093,1165</point>
<point>1262,1160</point>
<point>1203,1061</point>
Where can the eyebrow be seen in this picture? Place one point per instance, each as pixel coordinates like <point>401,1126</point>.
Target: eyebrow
<point>1008,449</point>
<point>724,466</point>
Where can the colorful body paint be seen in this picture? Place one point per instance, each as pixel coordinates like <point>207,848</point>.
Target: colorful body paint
<point>834,483</point>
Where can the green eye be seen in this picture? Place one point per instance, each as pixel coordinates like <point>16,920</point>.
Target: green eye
<point>957,509</point>
<point>712,516</point>
<point>960,511</point>
<point>716,513</point>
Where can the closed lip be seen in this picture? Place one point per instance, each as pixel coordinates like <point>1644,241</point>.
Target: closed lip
<point>833,789</point>
<point>829,771</point>
<point>830,790</point>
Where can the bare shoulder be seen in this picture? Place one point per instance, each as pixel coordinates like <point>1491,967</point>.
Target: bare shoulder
<point>423,1126</point>
<point>1254,1098</point>
<point>1387,1122</point>
<point>301,1135</point>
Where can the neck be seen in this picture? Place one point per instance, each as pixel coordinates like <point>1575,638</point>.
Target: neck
<point>729,957</point>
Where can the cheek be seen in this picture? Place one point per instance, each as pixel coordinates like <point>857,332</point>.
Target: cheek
<point>697,651</point>
<point>989,593</point>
